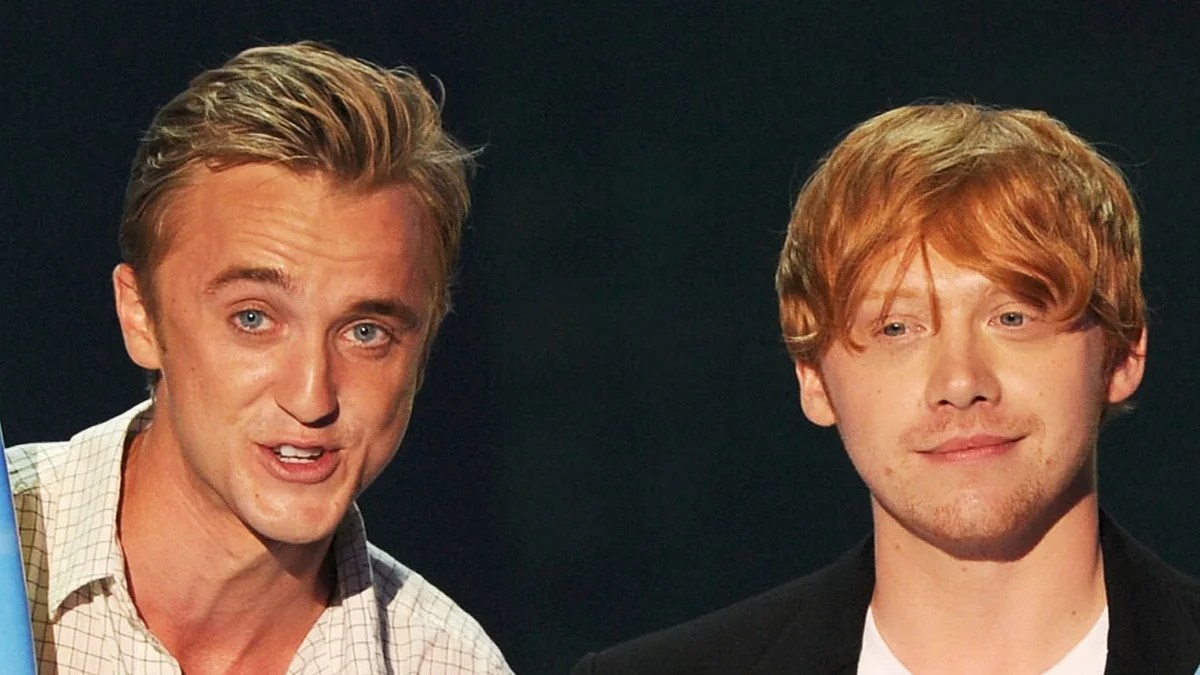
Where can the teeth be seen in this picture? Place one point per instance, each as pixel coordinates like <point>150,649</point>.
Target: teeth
<point>290,453</point>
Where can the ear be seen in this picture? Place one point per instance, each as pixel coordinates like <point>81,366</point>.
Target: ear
<point>1127,375</point>
<point>137,326</point>
<point>814,400</point>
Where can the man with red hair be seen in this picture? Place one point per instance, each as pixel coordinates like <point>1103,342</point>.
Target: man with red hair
<point>960,294</point>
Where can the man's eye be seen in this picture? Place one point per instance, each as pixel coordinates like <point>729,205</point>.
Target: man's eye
<point>250,319</point>
<point>1012,319</point>
<point>894,329</point>
<point>369,333</point>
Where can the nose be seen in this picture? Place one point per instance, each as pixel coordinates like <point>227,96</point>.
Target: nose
<point>962,372</point>
<point>306,389</point>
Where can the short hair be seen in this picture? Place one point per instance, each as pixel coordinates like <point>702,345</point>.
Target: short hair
<point>311,109</point>
<point>1012,194</point>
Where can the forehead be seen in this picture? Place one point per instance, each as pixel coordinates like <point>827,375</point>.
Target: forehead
<point>259,195</point>
<point>923,274</point>
<point>266,215</point>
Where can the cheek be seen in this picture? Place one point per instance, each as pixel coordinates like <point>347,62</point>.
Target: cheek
<point>214,370</point>
<point>382,427</point>
<point>377,397</point>
<point>870,433</point>
<point>1068,386</point>
<point>866,407</point>
<point>1076,407</point>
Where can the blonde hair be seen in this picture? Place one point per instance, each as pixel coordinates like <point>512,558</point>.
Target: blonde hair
<point>1011,194</point>
<point>309,108</point>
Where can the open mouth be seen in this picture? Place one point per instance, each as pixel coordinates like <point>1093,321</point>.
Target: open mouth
<point>300,464</point>
<point>290,454</point>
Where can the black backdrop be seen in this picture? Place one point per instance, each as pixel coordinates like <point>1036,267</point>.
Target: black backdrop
<point>609,440</point>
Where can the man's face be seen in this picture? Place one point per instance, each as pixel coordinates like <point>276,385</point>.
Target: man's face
<point>970,435</point>
<point>291,319</point>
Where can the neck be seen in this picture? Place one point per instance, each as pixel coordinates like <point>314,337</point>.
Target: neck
<point>941,613</point>
<point>215,594</point>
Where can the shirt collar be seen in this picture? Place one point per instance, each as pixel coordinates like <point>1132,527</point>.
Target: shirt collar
<point>351,555</point>
<point>83,535</point>
<point>355,604</point>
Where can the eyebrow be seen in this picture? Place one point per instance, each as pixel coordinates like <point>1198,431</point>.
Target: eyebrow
<point>901,293</point>
<point>267,275</point>
<point>407,316</point>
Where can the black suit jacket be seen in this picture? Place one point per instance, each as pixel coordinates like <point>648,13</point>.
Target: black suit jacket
<point>815,624</point>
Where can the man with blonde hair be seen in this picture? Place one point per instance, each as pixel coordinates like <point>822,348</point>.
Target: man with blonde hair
<point>960,293</point>
<point>291,226</point>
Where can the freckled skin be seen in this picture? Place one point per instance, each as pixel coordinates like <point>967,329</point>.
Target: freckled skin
<point>994,367</point>
<point>253,362</point>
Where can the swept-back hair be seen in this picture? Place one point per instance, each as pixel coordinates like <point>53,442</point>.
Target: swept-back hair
<point>311,109</point>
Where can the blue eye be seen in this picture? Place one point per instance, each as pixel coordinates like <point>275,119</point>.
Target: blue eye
<point>250,319</point>
<point>894,329</point>
<point>369,333</point>
<point>1012,319</point>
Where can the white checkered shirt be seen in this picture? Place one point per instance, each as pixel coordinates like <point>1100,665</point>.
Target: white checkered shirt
<point>384,618</point>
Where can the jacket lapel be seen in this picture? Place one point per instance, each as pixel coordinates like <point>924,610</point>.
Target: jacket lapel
<point>826,634</point>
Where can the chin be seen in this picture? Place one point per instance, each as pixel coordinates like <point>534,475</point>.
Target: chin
<point>979,546</point>
<point>294,534</point>
<point>296,524</point>
<point>975,525</point>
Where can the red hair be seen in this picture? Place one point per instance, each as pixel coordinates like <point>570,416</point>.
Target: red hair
<point>1011,194</point>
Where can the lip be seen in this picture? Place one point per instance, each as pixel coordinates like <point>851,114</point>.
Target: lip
<point>303,444</point>
<point>305,473</point>
<point>974,446</point>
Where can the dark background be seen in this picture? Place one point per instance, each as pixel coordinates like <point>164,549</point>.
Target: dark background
<point>609,440</point>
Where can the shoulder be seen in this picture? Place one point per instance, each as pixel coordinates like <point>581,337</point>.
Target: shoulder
<point>1131,565</point>
<point>826,609</point>
<point>33,465</point>
<point>727,640</point>
<point>43,466</point>
<point>424,622</point>
<point>1154,609</point>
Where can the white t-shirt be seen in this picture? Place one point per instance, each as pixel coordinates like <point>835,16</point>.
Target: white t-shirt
<point>1087,657</point>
